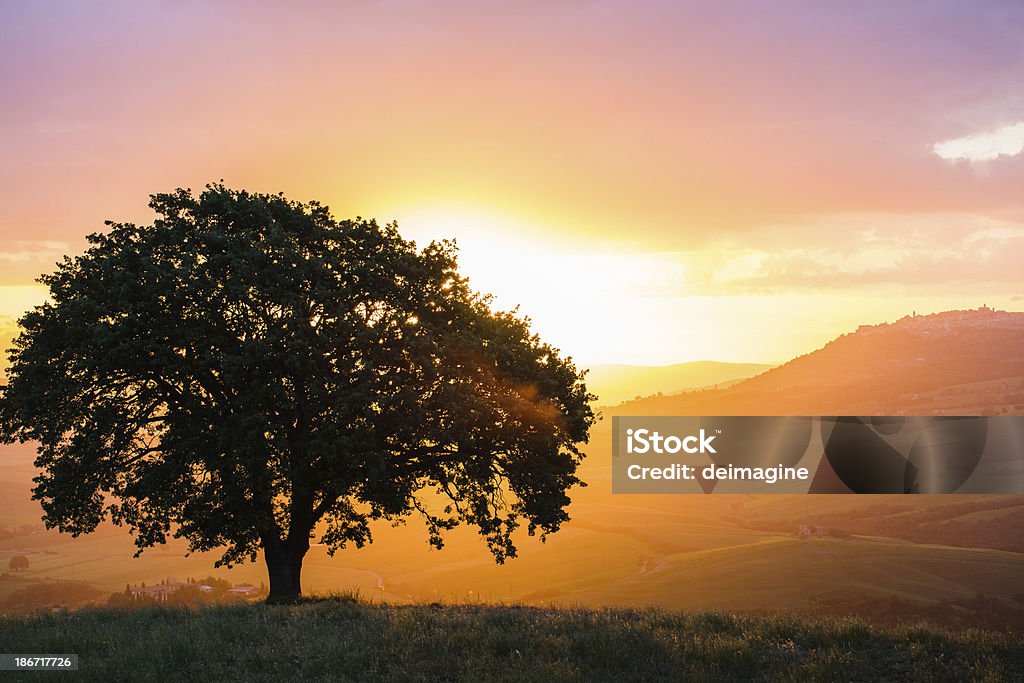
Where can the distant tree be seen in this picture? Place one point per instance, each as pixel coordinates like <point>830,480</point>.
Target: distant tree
<point>186,594</point>
<point>120,600</point>
<point>248,370</point>
<point>18,563</point>
<point>216,584</point>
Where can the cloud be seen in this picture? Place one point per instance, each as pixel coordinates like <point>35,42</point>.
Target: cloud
<point>24,250</point>
<point>978,255</point>
<point>1006,141</point>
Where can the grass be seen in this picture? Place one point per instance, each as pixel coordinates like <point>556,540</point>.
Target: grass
<point>344,639</point>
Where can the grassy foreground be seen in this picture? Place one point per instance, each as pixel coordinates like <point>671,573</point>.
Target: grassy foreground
<point>340,639</point>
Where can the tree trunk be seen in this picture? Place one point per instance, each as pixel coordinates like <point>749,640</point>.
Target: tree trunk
<point>284,567</point>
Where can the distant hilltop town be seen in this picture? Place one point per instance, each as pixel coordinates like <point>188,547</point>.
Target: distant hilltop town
<point>948,321</point>
<point>952,363</point>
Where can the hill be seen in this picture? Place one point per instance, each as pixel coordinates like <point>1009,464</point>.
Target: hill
<point>347,640</point>
<point>956,363</point>
<point>618,383</point>
<point>957,560</point>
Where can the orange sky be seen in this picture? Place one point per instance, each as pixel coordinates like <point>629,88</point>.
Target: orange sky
<point>651,182</point>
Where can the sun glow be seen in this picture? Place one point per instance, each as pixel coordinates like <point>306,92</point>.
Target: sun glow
<point>16,300</point>
<point>603,303</point>
<point>577,295</point>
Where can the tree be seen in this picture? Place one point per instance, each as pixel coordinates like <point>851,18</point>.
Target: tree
<point>18,563</point>
<point>250,373</point>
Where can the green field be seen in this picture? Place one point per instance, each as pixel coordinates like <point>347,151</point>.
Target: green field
<point>342,639</point>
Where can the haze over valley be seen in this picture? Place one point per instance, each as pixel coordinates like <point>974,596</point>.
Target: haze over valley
<point>877,555</point>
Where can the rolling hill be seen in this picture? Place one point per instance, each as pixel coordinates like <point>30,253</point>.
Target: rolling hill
<point>956,363</point>
<point>956,558</point>
<point>619,383</point>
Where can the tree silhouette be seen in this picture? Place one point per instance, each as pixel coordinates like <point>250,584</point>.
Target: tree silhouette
<point>250,373</point>
<point>18,563</point>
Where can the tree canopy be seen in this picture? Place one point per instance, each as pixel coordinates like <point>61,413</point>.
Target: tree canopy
<point>249,372</point>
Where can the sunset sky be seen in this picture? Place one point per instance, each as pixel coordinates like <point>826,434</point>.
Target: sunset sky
<point>653,182</point>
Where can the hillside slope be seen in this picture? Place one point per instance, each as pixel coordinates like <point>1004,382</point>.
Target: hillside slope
<point>686,551</point>
<point>614,384</point>
<point>957,362</point>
